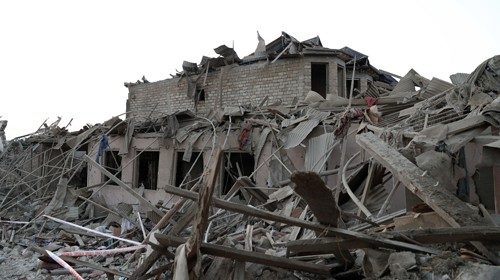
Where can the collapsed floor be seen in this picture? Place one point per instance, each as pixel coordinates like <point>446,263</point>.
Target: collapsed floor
<point>338,213</point>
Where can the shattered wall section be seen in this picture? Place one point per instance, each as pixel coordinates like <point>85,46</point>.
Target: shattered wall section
<point>282,81</point>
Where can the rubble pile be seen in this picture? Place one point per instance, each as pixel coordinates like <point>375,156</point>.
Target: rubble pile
<point>385,184</point>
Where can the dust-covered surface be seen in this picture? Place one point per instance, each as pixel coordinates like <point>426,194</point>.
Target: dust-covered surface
<point>19,263</point>
<point>447,265</point>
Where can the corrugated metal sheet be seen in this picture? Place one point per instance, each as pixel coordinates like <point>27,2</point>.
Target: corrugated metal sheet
<point>405,85</point>
<point>315,114</point>
<point>193,137</point>
<point>434,87</point>
<point>262,141</point>
<point>459,78</point>
<point>300,132</point>
<point>372,91</point>
<point>317,152</point>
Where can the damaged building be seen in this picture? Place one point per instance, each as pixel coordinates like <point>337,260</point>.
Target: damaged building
<point>296,161</point>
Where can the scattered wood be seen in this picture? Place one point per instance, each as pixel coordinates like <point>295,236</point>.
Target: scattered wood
<point>201,221</point>
<point>251,211</point>
<point>241,255</point>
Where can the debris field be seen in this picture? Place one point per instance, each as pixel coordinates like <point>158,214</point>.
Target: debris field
<point>295,162</point>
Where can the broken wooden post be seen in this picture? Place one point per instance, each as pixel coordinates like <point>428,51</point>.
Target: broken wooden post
<point>201,221</point>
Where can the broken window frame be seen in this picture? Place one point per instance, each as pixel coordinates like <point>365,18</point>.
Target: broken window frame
<point>137,170</point>
<point>223,188</point>
<point>326,80</point>
<point>341,81</point>
<point>356,89</point>
<point>178,159</point>
<point>112,170</point>
<point>200,95</point>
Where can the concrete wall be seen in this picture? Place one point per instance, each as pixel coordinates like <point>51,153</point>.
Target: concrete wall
<point>363,78</point>
<point>168,149</point>
<point>240,84</point>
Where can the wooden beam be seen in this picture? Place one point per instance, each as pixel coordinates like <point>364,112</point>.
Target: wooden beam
<point>247,256</point>
<point>454,211</point>
<point>146,265</point>
<point>326,245</point>
<point>323,245</point>
<point>124,186</point>
<point>254,212</point>
<point>444,235</point>
<point>201,219</point>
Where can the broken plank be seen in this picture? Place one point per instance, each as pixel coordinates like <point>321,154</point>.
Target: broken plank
<point>426,236</point>
<point>444,235</point>
<point>296,230</point>
<point>184,220</point>
<point>201,219</point>
<point>147,264</point>
<point>246,256</point>
<point>323,245</point>
<point>465,124</point>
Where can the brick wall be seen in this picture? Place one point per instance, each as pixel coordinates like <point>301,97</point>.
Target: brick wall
<point>240,84</point>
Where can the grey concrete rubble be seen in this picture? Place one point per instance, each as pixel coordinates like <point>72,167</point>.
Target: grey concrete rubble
<point>295,162</point>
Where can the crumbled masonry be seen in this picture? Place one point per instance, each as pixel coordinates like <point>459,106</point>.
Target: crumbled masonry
<point>295,162</point>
